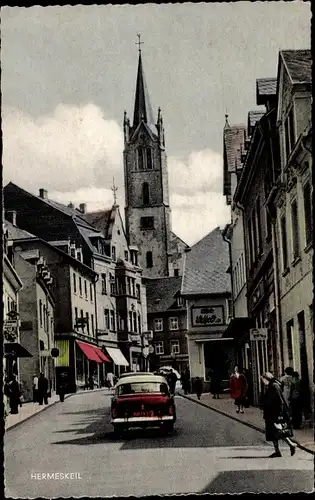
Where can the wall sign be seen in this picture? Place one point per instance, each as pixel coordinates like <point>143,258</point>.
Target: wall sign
<point>203,316</point>
<point>258,334</point>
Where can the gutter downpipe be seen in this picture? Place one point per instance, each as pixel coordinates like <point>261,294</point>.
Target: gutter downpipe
<point>279,338</point>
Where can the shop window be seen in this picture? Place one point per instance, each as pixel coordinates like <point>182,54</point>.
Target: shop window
<point>159,347</point>
<point>158,325</point>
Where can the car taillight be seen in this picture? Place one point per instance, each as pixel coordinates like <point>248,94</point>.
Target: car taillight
<point>114,413</point>
<point>171,410</point>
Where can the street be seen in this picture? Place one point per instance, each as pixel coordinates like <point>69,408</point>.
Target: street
<point>208,453</point>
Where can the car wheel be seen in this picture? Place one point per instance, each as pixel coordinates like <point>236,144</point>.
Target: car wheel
<point>168,427</point>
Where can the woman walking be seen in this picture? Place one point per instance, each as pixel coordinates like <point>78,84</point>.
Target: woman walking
<point>238,386</point>
<point>276,415</point>
<point>14,395</point>
<point>296,401</point>
<point>198,387</point>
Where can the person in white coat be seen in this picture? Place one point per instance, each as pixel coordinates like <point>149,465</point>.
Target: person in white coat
<point>110,379</point>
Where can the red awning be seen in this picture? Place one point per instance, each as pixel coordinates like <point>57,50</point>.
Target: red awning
<point>89,351</point>
<point>100,353</point>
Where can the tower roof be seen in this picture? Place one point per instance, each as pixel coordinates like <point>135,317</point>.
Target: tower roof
<point>142,110</point>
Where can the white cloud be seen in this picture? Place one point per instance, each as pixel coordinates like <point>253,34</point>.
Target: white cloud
<point>75,152</point>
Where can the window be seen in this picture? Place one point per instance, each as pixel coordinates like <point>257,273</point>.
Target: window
<point>289,133</point>
<point>175,347</point>
<point>72,252</point>
<point>85,289</point>
<point>76,315</point>
<point>159,347</point>
<point>126,255</point>
<point>112,284</point>
<point>133,282</point>
<point>179,301</point>
<point>251,254</point>
<point>44,314</point>
<point>289,341</point>
<point>87,323</point>
<point>113,253</point>
<point>80,285</point>
<point>139,322</point>
<point>40,313</point>
<point>106,315</point>
<point>254,235</point>
<point>91,292</point>
<point>104,289</point>
<point>284,243</point>
<point>149,259</point>
<point>258,226</point>
<point>138,291</point>
<point>140,158</point>
<point>78,255</point>
<point>145,194</point>
<point>158,325</point>
<point>74,283</point>
<point>147,223</point>
<point>130,321</point>
<point>135,325</point>
<point>176,272</point>
<point>295,230</point>
<point>92,323</point>
<point>112,321</point>
<point>173,322</point>
<point>149,159</point>
<point>308,213</point>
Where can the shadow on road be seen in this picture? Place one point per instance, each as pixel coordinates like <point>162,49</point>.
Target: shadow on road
<point>261,481</point>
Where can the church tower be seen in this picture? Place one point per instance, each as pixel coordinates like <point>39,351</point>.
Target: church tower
<point>147,209</point>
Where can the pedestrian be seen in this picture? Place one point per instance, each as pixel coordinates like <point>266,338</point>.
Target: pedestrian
<point>184,382</point>
<point>276,415</point>
<point>62,388</point>
<point>172,379</point>
<point>198,387</point>
<point>14,394</point>
<point>215,383</point>
<point>110,379</point>
<point>91,382</point>
<point>42,389</point>
<point>296,401</point>
<point>238,387</point>
<point>35,389</point>
<point>286,384</point>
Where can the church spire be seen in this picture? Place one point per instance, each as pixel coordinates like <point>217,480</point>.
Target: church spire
<point>142,110</point>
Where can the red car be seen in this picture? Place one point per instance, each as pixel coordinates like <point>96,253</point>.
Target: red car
<point>142,401</point>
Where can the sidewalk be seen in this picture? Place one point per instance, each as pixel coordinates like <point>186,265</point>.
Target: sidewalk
<point>252,417</point>
<point>29,409</point>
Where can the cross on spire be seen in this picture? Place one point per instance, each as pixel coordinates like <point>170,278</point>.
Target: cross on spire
<point>114,189</point>
<point>139,42</point>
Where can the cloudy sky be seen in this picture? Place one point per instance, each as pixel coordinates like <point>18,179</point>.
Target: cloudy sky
<point>68,74</point>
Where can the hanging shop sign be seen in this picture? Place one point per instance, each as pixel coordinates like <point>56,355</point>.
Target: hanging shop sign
<point>202,316</point>
<point>258,334</point>
<point>10,329</point>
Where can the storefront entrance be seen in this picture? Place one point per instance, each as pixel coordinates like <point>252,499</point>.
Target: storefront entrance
<point>219,357</point>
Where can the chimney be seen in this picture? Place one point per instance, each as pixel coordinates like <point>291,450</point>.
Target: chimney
<point>71,205</point>
<point>43,194</point>
<point>10,215</point>
<point>82,207</point>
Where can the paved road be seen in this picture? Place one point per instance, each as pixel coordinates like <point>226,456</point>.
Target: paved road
<point>207,453</point>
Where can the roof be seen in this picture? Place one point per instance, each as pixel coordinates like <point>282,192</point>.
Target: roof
<point>254,117</point>
<point>72,212</point>
<point>99,219</point>
<point>141,378</point>
<point>142,109</point>
<point>234,138</point>
<point>161,293</point>
<point>298,64</point>
<point>265,87</point>
<point>175,240</point>
<point>15,233</point>
<point>206,265</point>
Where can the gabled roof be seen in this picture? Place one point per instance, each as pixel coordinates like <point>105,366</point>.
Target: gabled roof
<point>174,241</point>
<point>265,87</point>
<point>254,117</point>
<point>100,220</point>
<point>161,293</point>
<point>298,64</point>
<point>142,109</point>
<point>77,216</point>
<point>206,265</point>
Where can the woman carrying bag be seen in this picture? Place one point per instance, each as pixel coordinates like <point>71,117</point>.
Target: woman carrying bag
<point>276,415</point>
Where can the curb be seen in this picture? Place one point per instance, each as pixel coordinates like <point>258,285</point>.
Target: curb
<point>252,426</point>
<point>13,426</point>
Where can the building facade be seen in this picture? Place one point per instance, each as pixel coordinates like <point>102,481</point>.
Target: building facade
<point>167,319</point>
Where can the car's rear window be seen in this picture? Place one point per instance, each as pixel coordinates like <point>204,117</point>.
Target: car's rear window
<point>141,387</point>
